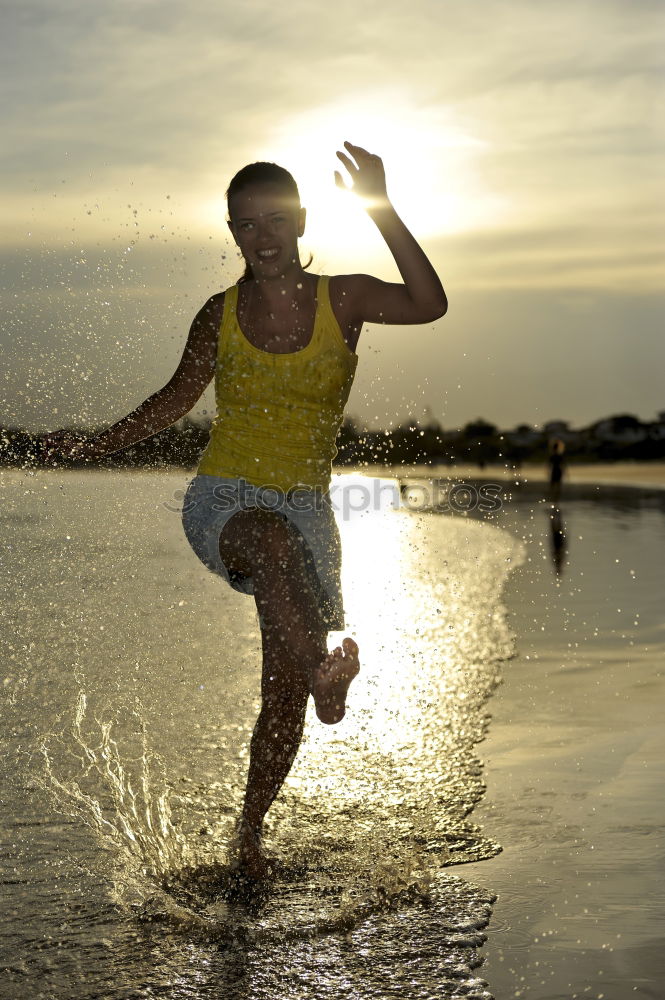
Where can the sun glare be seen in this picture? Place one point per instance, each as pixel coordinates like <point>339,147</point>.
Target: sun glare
<point>431,168</point>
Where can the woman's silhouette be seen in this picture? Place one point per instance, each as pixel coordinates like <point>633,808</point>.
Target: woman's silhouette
<point>280,345</point>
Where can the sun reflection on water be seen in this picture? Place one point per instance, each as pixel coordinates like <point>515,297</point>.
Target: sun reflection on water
<point>422,599</point>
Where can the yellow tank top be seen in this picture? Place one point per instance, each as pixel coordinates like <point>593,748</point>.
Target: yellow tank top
<point>278,414</point>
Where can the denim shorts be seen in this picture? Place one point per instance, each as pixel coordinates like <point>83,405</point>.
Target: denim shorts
<point>210,501</point>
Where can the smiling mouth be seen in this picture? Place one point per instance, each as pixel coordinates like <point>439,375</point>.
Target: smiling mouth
<point>267,254</point>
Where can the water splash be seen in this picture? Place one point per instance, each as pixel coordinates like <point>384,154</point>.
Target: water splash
<point>103,772</point>
<point>116,784</point>
<point>355,843</point>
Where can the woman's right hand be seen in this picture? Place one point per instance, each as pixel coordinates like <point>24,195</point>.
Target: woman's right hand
<point>64,444</point>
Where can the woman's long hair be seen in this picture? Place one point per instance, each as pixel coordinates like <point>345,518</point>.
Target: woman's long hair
<point>262,173</point>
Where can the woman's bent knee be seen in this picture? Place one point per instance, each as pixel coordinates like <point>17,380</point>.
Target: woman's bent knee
<point>259,541</point>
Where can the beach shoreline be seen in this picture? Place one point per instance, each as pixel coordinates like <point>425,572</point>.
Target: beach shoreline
<point>573,758</point>
<point>635,474</point>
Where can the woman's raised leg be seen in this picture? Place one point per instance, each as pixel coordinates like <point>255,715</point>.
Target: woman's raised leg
<point>296,661</point>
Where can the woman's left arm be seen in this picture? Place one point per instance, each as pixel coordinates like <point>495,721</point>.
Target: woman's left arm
<point>421,298</point>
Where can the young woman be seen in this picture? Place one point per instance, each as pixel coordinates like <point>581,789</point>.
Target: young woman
<point>280,345</point>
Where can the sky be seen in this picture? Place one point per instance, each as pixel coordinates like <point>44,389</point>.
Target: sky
<point>521,145</point>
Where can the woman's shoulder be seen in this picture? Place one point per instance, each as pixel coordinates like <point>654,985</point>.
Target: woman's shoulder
<point>347,282</point>
<point>349,287</point>
<point>347,293</point>
<point>214,306</point>
<point>218,297</point>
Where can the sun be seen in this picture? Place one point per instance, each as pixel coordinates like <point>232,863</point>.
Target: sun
<point>431,169</point>
<point>434,169</point>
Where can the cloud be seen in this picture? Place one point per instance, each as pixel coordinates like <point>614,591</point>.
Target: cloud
<point>132,84</point>
<point>123,120</point>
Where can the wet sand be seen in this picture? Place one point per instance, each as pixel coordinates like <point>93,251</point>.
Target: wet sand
<point>574,756</point>
<point>574,772</point>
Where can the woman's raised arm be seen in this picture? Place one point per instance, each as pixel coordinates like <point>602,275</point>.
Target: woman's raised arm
<point>421,299</point>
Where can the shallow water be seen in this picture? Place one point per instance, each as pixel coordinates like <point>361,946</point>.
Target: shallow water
<point>131,686</point>
<point>130,697</point>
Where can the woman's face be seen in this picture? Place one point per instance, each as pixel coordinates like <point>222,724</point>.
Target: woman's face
<point>266,222</point>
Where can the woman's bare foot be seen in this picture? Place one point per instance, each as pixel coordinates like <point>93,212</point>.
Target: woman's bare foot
<point>251,859</point>
<point>331,681</point>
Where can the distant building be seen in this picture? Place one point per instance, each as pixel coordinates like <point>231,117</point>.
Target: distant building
<point>523,436</point>
<point>621,430</point>
<point>657,428</point>
<point>561,429</point>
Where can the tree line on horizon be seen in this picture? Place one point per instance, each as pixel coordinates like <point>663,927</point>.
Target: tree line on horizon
<point>479,442</point>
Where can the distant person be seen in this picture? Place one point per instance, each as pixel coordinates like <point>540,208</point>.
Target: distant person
<point>280,345</point>
<point>556,463</point>
<point>557,540</point>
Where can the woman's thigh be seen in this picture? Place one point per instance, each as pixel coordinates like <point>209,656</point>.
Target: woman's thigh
<point>255,529</point>
<point>260,541</point>
<point>263,545</point>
